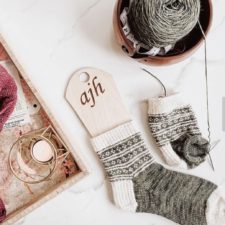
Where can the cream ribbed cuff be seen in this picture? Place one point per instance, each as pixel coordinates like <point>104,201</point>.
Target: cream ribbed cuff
<point>215,212</point>
<point>123,193</point>
<point>113,136</point>
<point>166,104</point>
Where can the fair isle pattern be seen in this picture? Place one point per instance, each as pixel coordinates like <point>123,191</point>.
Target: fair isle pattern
<point>168,127</point>
<point>126,159</point>
<point>140,185</point>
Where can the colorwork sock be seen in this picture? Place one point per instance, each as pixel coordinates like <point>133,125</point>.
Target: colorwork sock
<point>175,129</point>
<point>141,185</point>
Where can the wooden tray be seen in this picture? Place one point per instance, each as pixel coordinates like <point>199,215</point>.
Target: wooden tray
<point>20,198</point>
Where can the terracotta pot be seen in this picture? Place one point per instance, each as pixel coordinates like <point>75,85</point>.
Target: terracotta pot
<point>192,41</point>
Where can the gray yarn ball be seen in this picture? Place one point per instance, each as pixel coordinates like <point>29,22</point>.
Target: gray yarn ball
<point>161,23</point>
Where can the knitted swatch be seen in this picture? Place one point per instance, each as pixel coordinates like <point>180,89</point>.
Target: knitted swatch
<point>2,211</point>
<point>174,126</point>
<point>139,184</point>
<point>8,96</point>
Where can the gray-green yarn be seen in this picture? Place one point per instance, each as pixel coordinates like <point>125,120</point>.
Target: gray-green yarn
<point>193,149</point>
<point>176,196</point>
<point>179,197</point>
<point>161,23</point>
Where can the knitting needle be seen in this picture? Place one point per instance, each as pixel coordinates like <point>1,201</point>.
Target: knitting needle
<point>207,92</point>
<point>214,144</point>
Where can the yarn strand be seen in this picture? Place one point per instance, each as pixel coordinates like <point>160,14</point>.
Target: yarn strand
<point>164,88</point>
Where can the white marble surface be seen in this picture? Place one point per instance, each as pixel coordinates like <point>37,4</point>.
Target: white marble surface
<point>52,39</point>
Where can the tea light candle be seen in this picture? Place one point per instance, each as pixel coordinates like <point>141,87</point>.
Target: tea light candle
<point>42,151</point>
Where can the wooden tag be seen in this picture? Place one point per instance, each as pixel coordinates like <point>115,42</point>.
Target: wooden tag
<point>93,95</point>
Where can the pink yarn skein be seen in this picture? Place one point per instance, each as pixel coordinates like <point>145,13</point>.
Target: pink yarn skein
<point>8,96</point>
<point>2,211</point>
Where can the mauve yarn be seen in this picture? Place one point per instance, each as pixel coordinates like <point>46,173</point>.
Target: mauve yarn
<point>8,95</point>
<point>8,98</point>
<point>2,211</point>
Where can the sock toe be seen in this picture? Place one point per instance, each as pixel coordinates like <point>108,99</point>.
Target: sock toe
<point>215,213</point>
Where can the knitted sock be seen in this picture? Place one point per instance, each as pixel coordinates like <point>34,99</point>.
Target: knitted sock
<point>174,126</point>
<point>139,184</point>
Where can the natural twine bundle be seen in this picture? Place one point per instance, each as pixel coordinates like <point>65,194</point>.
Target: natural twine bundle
<point>160,23</point>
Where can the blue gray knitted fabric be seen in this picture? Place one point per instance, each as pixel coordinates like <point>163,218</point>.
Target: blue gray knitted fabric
<point>142,185</point>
